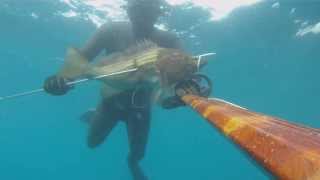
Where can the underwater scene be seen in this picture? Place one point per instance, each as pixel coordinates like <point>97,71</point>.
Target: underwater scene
<point>159,89</point>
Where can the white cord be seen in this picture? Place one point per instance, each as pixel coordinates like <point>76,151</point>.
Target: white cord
<point>200,58</point>
<point>227,102</point>
<point>35,91</point>
<point>101,76</point>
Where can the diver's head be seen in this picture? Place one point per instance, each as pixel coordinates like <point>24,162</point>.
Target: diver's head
<point>143,14</point>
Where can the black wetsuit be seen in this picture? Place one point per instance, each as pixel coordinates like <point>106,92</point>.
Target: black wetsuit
<point>112,38</point>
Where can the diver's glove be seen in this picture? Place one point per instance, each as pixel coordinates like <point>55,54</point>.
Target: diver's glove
<point>188,87</point>
<point>191,86</point>
<point>56,85</point>
<point>198,84</point>
<point>185,87</point>
<point>172,102</point>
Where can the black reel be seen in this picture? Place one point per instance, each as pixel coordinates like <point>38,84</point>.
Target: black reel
<point>196,84</point>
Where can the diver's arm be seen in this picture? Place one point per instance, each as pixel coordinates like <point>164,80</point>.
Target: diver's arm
<point>57,85</point>
<point>97,43</point>
<point>175,101</point>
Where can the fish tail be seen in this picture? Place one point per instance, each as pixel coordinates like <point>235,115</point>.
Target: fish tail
<point>75,65</point>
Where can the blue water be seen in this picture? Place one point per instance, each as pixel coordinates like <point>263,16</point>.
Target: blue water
<point>260,64</point>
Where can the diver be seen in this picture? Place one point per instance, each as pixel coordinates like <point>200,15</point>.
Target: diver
<point>116,37</point>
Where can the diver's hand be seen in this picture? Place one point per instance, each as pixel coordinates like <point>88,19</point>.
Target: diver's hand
<point>189,87</point>
<point>172,102</point>
<point>56,85</point>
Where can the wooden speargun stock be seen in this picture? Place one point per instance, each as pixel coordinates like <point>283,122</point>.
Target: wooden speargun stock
<point>288,151</point>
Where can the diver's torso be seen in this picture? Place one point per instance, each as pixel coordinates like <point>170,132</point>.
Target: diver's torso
<point>121,36</point>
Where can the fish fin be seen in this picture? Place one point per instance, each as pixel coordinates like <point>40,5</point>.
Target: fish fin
<point>137,48</point>
<point>75,65</point>
<point>87,116</point>
<point>109,59</point>
<point>156,96</point>
<point>143,45</point>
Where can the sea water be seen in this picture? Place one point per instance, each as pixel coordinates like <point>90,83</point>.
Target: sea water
<point>268,60</point>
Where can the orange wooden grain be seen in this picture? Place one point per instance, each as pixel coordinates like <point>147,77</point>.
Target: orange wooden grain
<point>289,151</point>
